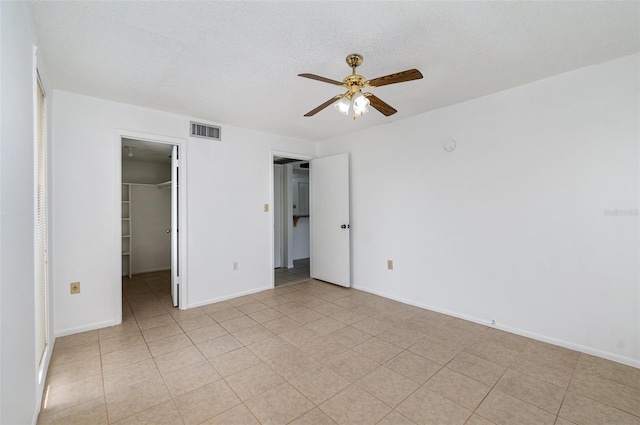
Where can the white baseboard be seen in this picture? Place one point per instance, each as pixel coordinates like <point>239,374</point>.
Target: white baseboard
<point>84,328</point>
<point>227,297</point>
<point>40,385</point>
<point>539,337</point>
<point>159,269</point>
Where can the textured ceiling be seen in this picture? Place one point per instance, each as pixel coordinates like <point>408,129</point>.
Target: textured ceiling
<point>237,62</point>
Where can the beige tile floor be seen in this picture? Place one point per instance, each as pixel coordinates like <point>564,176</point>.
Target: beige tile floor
<point>300,271</point>
<point>314,353</point>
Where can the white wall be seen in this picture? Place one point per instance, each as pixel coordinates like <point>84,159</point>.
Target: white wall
<point>228,183</point>
<point>150,218</point>
<point>301,241</point>
<point>20,389</point>
<point>511,226</point>
<point>145,172</point>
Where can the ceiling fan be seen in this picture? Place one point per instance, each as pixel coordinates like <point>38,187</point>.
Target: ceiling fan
<point>354,98</point>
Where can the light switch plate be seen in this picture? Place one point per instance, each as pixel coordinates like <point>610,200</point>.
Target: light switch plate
<point>266,207</point>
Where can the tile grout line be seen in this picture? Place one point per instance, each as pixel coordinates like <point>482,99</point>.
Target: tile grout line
<point>493,387</point>
<point>104,387</point>
<point>601,401</point>
<point>331,298</point>
<point>154,361</point>
<point>564,396</point>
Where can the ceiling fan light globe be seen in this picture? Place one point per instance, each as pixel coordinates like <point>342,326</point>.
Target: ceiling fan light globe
<point>342,106</point>
<point>360,104</point>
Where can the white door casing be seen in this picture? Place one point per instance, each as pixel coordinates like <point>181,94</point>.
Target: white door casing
<point>329,219</point>
<point>287,206</point>
<point>181,215</point>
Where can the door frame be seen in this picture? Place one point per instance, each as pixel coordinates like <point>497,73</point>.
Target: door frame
<point>182,212</point>
<point>272,155</point>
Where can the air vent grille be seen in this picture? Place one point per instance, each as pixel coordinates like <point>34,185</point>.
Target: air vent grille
<point>205,131</point>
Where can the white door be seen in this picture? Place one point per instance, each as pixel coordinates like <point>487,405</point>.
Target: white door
<point>329,219</point>
<point>277,216</point>
<point>175,271</point>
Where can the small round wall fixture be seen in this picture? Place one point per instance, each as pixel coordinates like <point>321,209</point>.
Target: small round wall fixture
<point>449,145</point>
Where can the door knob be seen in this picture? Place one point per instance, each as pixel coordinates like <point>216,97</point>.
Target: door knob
<point>345,226</point>
<point>168,230</point>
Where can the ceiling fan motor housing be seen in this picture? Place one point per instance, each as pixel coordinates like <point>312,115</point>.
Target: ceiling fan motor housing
<point>354,60</point>
<point>354,83</point>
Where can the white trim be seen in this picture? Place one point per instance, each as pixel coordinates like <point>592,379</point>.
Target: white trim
<point>85,328</point>
<point>36,271</point>
<point>291,155</point>
<point>41,363</point>
<point>182,241</point>
<point>228,297</point>
<point>517,331</point>
<point>157,269</point>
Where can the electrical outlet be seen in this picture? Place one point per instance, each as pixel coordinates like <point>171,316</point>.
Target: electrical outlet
<point>493,323</point>
<point>75,287</point>
<point>235,265</point>
<point>390,264</point>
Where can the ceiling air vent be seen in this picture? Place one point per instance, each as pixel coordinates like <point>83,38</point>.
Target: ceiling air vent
<point>205,131</point>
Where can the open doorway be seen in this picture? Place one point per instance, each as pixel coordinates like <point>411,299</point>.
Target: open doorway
<point>291,259</point>
<point>150,217</point>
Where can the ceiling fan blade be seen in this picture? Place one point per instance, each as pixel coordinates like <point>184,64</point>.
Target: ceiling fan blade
<point>319,78</point>
<point>384,108</point>
<point>398,77</point>
<point>321,107</point>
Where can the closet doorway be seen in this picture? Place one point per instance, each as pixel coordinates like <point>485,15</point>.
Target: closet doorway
<point>291,231</point>
<point>150,216</point>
